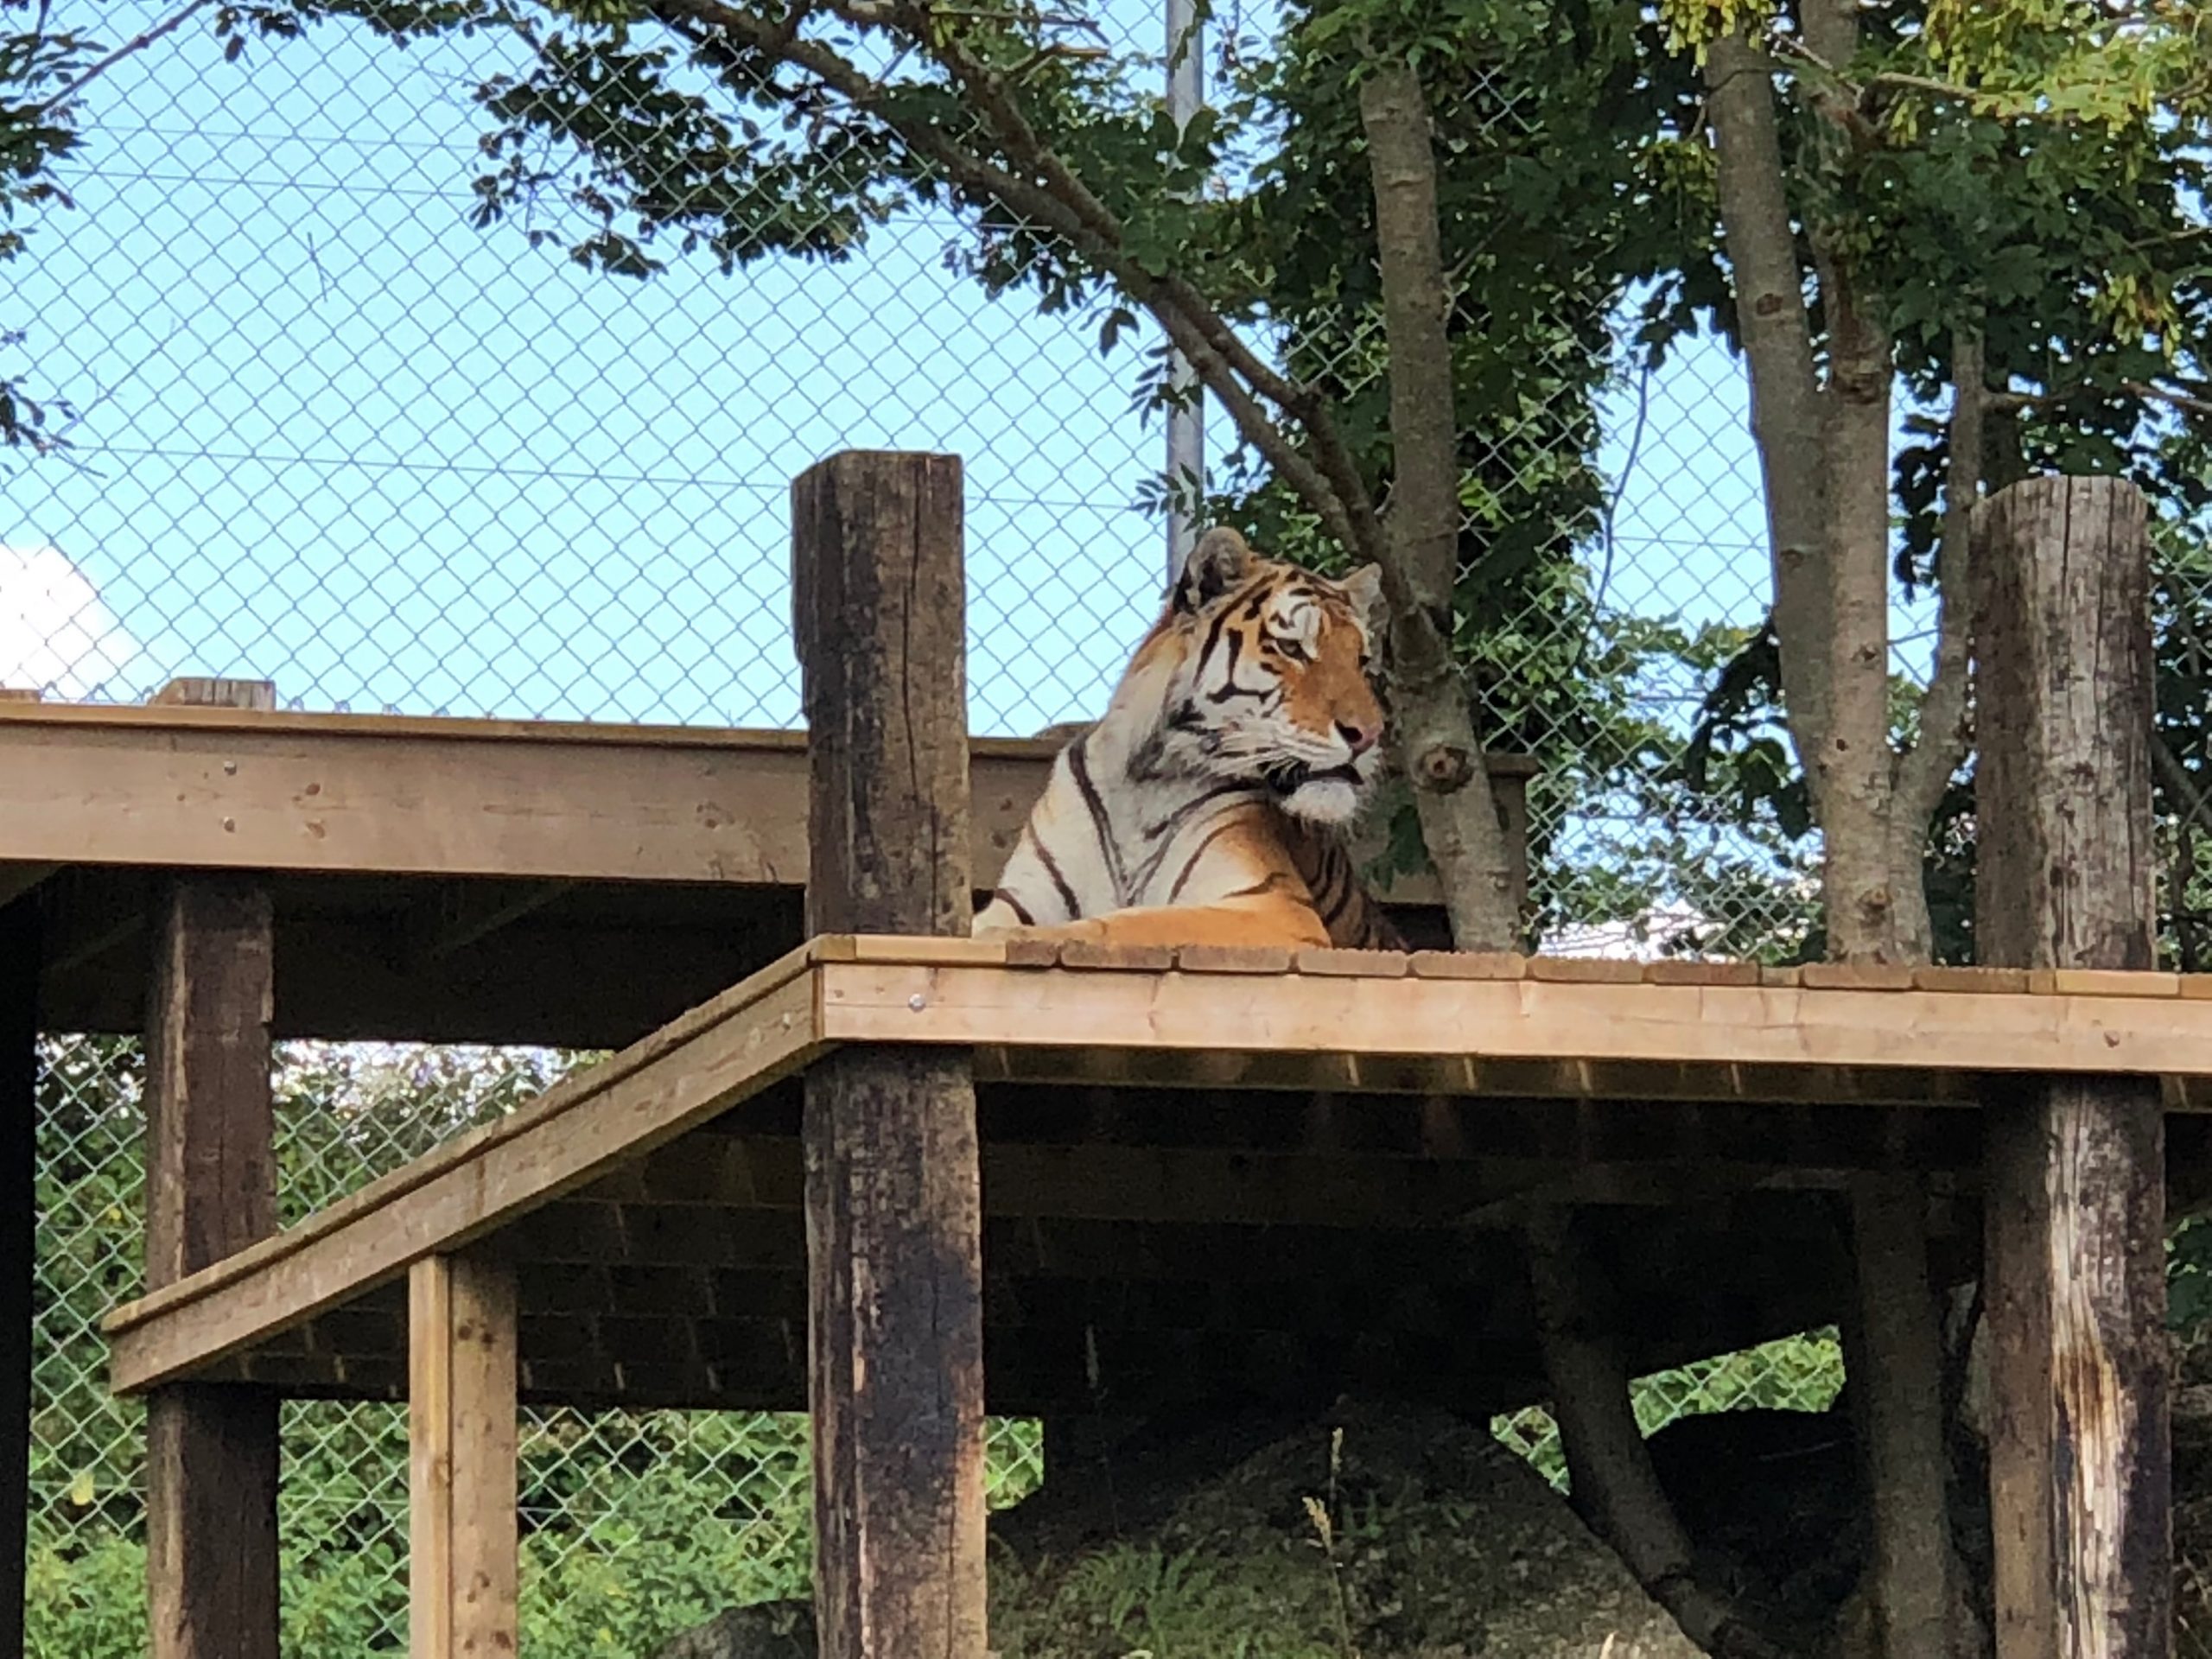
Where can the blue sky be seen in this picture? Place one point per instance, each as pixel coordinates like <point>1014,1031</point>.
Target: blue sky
<point>330,435</point>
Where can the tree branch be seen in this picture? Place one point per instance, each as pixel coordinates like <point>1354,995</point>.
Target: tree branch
<point>2189,402</point>
<point>2192,800</point>
<point>1946,728</point>
<point>1459,820</point>
<point>1332,457</point>
<point>1094,235</point>
<point>136,44</point>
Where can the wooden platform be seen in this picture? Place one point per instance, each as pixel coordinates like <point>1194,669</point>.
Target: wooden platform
<point>1196,1160</point>
<point>443,880</point>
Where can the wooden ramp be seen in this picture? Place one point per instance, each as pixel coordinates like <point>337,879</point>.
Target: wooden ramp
<point>1507,1038</point>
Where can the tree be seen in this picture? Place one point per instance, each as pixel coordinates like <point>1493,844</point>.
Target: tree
<point>1975,195</point>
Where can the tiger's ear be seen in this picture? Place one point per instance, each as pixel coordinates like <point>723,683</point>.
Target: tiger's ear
<point>1364,588</point>
<point>1218,562</point>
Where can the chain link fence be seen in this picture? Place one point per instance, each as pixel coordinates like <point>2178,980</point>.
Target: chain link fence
<point>317,427</point>
<point>635,1524</point>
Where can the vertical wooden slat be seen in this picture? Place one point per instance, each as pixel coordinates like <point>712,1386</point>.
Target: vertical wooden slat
<point>19,974</point>
<point>2080,1444</point>
<point>212,1450</point>
<point>893,1208</point>
<point>462,1542</point>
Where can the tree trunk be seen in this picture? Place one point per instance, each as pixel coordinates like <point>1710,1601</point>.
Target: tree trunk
<point>1762,247</point>
<point>1900,1401</point>
<point>1433,725</point>
<point>1853,757</point>
<point>1614,1486</point>
<point>1824,453</point>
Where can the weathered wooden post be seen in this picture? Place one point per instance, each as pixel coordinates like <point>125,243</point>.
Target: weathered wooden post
<point>893,1207</point>
<point>211,1191</point>
<point>2080,1455</point>
<point>19,973</point>
<point>462,1542</point>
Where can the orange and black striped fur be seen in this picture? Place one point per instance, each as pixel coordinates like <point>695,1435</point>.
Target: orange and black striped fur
<point>1208,805</point>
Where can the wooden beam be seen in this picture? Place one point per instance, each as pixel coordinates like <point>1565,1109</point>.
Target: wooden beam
<point>462,1545</point>
<point>175,786</point>
<point>2079,1447</point>
<point>716,1056</point>
<point>893,1207</point>
<point>211,1453</point>
<point>1386,1032</point>
<point>1227,1186</point>
<point>19,969</point>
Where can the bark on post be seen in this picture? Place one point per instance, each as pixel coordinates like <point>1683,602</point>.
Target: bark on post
<point>893,1205</point>
<point>2080,1450</point>
<point>211,1478</point>
<point>19,971</point>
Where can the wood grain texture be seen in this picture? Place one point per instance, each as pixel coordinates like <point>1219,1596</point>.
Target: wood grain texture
<point>174,786</point>
<point>19,964</point>
<point>468,1188</point>
<point>212,1467</point>
<point>893,1205</point>
<point>1244,1006</point>
<point>2080,1446</point>
<point>211,1522</point>
<point>211,1177</point>
<point>462,1535</point>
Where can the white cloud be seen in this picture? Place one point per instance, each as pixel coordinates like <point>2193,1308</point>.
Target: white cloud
<point>56,635</point>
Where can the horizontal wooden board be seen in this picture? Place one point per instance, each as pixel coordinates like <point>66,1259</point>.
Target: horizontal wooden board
<point>1226,1010</point>
<point>179,786</point>
<point>172,786</point>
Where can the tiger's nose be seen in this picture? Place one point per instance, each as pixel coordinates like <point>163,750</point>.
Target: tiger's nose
<point>1358,739</point>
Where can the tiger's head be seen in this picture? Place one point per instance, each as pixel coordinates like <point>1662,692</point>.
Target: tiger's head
<point>1263,669</point>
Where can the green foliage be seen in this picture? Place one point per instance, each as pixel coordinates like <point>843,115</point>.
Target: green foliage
<point>2188,1276</point>
<point>36,66</point>
<point>1801,1373</point>
<point>636,1525</point>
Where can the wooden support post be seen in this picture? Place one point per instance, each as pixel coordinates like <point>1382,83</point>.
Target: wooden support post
<point>19,974</point>
<point>211,1191</point>
<point>2080,1450</point>
<point>462,1541</point>
<point>893,1208</point>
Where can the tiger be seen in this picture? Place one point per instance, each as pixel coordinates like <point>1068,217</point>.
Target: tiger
<point>1209,805</point>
